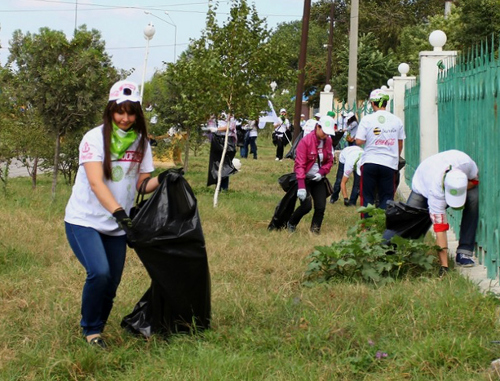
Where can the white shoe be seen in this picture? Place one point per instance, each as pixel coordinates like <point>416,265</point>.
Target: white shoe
<point>276,159</point>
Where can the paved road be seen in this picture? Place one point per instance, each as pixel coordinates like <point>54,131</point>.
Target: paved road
<point>16,169</point>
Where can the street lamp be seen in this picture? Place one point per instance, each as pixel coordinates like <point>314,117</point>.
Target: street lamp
<point>149,32</point>
<point>169,23</point>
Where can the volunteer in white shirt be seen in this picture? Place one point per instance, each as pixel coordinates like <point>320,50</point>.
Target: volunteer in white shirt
<point>115,158</point>
<point>382,135</point>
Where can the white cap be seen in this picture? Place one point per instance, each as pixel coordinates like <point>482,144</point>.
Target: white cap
<point>302,115</point>
<point>317,115</point>
<point>378,94</point>
<point>123,91</point>
<point>327,124</point>
<point>455,188</point>
<point>282,110</point>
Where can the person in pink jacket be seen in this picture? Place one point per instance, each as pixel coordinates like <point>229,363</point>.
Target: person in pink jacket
<point>313,161</point>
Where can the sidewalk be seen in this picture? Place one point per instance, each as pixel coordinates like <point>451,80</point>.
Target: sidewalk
<point>478,273</point>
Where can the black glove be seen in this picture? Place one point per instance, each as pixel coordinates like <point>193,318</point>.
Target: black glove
<point>346,202</point>
<point>282,117</point>
<point>125,223</point>
<point>161,176</point>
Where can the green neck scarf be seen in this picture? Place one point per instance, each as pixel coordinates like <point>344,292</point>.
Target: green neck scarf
<point>121,141</point>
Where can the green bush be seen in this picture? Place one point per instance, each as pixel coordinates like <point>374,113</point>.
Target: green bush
<point>364,254</point>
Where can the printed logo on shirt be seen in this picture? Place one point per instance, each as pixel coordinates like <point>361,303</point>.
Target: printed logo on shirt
<point>381,119</point>
<point>385,142</point>
<point>86,154</point>
<point>377,131</point>
<point>117,173</point>
<point>131,156</point>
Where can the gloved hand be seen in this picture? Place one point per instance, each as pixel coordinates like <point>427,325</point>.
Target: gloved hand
<point>124,222</point>
<point>282,117</point>
<point>317,177</point>
<point>301,194</point>
<point>213,130</point>
<point>161,176</point>
<point>346,202</point>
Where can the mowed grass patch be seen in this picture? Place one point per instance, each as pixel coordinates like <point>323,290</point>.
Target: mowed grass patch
<point>266,325</point>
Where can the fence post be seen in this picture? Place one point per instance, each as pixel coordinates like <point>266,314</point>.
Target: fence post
<point>430,63</point>
<point>326,100</point>
<point>400,84</point>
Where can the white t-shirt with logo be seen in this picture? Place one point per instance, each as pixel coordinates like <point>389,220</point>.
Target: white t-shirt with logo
<point>350,157</point>
<point>429,176</point>
<point>381,131</point>
<point>309,126</point>
<point>84,209</point>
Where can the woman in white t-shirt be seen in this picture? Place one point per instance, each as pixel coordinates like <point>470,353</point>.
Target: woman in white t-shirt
<point>115,158</point>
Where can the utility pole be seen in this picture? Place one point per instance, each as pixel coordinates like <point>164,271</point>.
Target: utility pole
<point>330,48</point>
<point>353,55</point>
<point>302,65</point>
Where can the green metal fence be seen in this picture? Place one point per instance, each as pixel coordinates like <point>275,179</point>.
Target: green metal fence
<point>468,95</point>
<point>412,130</point>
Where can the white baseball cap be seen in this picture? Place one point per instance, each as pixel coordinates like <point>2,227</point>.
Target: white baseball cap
<point>317,115</point>
<point>378,95</point>
<point>123,91</point>
<point>455,188</point>
<point>327,124</point>
<point>282,110</point>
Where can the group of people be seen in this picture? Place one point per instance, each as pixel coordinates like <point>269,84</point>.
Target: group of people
<point>446,179</point>
<point>115,159</point>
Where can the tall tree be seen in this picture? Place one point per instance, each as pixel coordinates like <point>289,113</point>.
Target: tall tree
<point>65,81</point>
<point>229,68</point>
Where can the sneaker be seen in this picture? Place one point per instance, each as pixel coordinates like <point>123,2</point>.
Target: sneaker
<point>291,228</point>
<point>465,260</point>
<point>277,159</point>
<point>332,200</point>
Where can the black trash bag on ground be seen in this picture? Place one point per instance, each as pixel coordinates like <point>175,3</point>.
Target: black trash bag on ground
<point>406,221</point>
<point>286,206</point>
<point>170,243</point>
<point>216,148</point>
<point>293,149</point>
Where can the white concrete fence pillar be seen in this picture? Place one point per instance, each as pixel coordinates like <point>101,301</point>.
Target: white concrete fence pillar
<point>326,100</point>
<point>429,61</point>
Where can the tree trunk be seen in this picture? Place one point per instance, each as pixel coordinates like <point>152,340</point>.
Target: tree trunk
<point>221,163</point>
<point>186,150</point>
<point>56,165</point>
<point>34,171</point>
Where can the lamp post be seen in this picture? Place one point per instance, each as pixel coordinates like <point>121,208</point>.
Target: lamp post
<point>169,23</point>
<point>149,32</point>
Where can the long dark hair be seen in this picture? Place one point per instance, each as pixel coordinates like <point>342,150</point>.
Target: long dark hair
<point>132,108</point>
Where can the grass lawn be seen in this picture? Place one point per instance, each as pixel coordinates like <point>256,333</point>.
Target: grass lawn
<point>266,325</point>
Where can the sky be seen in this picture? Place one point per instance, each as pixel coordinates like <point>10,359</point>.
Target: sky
<point>122,22</point>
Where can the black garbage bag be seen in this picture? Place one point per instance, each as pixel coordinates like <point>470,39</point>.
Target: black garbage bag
<point>336,138</point>
<point>170,243</point>
<point>286,206</point>
<point>216,148</point>
<point>293,149</point>
<point>406,221</point>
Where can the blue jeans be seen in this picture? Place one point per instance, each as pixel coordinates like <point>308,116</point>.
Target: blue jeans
<point>468,225</point>
<point>377,177</point>
<point>103,257</point>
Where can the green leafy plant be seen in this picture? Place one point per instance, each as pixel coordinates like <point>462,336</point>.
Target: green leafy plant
<point>365,255</point>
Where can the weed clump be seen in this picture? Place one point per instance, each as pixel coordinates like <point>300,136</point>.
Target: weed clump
<point>365,255</point>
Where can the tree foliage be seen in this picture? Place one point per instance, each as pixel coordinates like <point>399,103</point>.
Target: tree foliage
<point>65,82</point>
<point>374,68</point>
